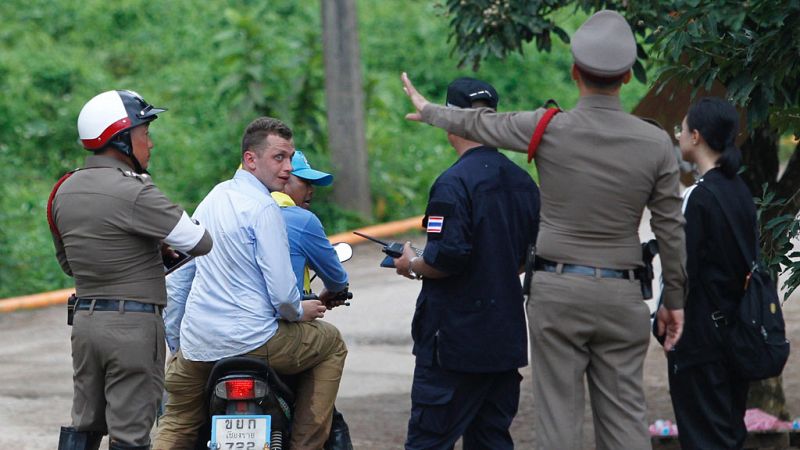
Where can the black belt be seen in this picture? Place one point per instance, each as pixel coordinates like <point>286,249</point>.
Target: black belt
<point>110,304</point>
<point>550,266</point>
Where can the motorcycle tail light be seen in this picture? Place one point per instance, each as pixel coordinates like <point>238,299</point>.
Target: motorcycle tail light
<point>240,389</point>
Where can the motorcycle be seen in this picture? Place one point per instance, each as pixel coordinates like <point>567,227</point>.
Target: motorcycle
<point>251,407</point>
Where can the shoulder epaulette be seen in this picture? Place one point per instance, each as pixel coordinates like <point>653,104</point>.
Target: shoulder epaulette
<point>143,177</point>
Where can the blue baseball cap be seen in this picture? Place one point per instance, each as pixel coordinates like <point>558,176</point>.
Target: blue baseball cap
<point>302,169</point>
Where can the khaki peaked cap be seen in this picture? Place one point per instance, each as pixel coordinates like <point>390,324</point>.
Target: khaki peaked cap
<point>604,45</point>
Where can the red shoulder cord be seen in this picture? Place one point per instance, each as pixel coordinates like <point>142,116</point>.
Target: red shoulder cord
<point>538,133</point>
<point>50,221</point>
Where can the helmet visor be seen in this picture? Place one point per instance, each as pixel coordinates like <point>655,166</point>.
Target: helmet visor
<point>149,112</point>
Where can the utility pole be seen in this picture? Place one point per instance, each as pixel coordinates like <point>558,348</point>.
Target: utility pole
<point>344,96</point>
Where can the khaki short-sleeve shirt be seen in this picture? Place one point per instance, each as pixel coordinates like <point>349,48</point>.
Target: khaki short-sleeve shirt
<point>112,221</point>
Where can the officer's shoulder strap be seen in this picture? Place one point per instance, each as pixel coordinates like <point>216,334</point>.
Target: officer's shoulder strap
<point>50,221</point>
<point>552,109</point>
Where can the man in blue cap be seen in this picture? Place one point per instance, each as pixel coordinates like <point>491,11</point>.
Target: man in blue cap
<point>308,244</point>
<point>309,247</point>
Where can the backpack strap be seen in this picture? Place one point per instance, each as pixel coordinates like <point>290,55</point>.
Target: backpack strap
<point>538,132</point>
<point>737,234</point>
<point>740,242</point>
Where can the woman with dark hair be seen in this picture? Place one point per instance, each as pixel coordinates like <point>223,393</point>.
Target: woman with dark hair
<point>708,399</point>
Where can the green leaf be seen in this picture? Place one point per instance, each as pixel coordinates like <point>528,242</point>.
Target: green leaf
<point>712,76</point>
<point>639,72</point>
<point>561,34</point>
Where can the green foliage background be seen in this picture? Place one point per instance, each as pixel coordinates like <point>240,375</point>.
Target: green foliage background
<point>216,66</point>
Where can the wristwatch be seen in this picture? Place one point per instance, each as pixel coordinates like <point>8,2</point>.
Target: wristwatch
<point>411,271</point>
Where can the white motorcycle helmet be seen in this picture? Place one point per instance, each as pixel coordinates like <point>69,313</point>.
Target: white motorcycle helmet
<point>106,119</point>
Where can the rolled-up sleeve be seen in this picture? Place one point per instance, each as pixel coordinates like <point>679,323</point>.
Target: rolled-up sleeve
<point>272,256</point>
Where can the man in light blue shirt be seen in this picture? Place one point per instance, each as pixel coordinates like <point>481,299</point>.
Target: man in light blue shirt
<point>309,247</point>
<point>237,294</point>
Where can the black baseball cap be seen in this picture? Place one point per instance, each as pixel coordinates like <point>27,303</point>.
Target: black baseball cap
<point>463,92</point>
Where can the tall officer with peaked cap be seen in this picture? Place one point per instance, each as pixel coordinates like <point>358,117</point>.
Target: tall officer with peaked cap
<point>110,225</point>
<point>599,167</point>
<point>469,325</point>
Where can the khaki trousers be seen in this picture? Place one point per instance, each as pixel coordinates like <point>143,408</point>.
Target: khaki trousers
<point>118,373</point>
<point>598,328</point>
<point>315,350</point>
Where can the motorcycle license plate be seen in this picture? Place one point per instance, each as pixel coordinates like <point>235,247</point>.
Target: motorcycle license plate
<point>246,432</point>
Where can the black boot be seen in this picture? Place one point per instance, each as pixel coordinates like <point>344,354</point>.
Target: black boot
<point>339,438</point>
<point>72,439</point>
<point>116,445</point>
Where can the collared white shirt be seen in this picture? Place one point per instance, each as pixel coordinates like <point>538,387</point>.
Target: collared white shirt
<point>246,281</point>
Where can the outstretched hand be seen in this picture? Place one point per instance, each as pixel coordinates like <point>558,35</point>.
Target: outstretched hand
<point>416,98</point>
<point>670,321</point>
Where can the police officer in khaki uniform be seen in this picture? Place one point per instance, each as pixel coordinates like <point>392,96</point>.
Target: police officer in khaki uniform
<point>110,224</point>
<point>599,167</point>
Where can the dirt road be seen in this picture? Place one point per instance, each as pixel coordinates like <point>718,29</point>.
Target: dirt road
<point>36,389</point>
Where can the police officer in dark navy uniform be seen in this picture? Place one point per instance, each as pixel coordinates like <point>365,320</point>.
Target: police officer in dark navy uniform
<point>469,330</point>
<point>110,225</point>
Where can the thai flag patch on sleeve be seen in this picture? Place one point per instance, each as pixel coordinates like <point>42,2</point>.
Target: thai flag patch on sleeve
<point>435,224</point>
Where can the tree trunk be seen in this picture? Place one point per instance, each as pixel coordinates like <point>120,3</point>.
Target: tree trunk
<point>760,155</point>
<point>345,104</point>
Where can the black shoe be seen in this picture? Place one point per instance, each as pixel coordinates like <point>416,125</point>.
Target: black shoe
<point>72,439</point>
<point>339,438</point>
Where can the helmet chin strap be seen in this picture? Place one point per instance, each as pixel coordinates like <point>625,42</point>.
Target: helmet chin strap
<point>122,143</point>
<point>136,166</point>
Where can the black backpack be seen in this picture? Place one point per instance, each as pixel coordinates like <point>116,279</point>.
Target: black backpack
<point>754,334</point>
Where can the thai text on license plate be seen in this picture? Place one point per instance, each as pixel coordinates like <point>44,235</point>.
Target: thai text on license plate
<point>247,432</point>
